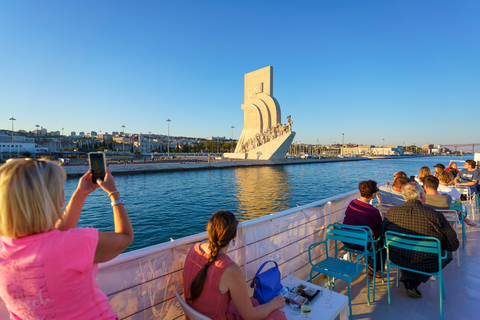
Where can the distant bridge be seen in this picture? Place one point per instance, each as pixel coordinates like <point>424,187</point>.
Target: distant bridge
<point>462,145</point>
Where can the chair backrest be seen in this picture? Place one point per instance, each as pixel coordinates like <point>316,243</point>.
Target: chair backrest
<point>358,235</point>
<point>457,205</point>
<point>414,243</point>
<point>189,311</point>
<point>451,216</point>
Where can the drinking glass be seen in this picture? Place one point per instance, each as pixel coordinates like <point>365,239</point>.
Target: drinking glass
<point>306,310</point>
<point>327,296</point>
<point>295,306</point>
<point>291,278</point>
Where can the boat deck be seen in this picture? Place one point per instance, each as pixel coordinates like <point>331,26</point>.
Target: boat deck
<point>462,287</point>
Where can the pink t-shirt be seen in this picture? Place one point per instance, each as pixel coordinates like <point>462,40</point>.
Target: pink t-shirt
<point>52,275</point>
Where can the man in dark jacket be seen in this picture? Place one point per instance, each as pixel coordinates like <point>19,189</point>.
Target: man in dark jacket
<point>416,219</point>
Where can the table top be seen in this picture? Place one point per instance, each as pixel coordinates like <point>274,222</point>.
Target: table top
<point>339,302</point>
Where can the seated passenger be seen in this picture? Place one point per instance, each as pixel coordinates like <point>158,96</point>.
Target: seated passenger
<point>396,175</point>
<point>435,200</point>
<point>361,213</point>
<point>438,169</point>
<point>392,194</point>
<point>48,265</point>
<point>469,176</point>
<point>416,219</point>
<point>445,178</point>
<point>453,169</point>
<point>424,171</point>
<point>214,285</point>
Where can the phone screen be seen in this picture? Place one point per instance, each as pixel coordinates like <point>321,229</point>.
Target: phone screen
<point>97,164</point>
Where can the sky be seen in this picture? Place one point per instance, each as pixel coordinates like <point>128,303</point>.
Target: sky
<point>404,71</point>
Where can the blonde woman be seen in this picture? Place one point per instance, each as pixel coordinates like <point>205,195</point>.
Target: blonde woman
<point>424,171</point>
<point>47,264</point>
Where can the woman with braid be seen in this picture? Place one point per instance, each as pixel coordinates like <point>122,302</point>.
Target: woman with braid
<point>214,285</point>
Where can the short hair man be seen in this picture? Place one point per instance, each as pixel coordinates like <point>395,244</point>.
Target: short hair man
<point>433,198</point>
<point>392,194</point>
<point>469,176</point>
<point>438,169</point>
<point>416,219</point>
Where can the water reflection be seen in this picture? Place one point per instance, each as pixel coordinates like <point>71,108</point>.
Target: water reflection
<point>261,191</point>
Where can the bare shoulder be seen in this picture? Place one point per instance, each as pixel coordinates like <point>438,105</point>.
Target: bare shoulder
<point>233,270</point>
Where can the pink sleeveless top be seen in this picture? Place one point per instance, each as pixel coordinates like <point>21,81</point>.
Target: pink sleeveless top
<point>211,302</point>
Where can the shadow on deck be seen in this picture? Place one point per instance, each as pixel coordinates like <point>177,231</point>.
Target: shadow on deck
<point>462,286</point>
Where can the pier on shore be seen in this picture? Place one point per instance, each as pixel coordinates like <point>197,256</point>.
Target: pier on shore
<point>154,167</point>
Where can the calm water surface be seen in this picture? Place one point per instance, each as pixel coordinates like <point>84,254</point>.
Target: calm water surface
<point>177,204</point>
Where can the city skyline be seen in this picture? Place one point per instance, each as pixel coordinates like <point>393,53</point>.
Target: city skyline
<point>361,71</point>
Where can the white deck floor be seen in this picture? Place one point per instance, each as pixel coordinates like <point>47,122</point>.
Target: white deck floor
<point>462,288</point>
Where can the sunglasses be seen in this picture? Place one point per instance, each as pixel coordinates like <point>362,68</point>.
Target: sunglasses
<point>25,159</point>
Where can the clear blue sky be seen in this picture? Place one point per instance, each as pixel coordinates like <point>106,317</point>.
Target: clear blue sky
<point>405,71</point>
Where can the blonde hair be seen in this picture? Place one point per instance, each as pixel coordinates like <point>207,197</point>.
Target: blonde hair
<point>445,177</point>
<point>424,171</point>
<point>31,197</point>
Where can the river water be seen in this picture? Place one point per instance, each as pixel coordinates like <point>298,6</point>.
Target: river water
<point>177,204</point>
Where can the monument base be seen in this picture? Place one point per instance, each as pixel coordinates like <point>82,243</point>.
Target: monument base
<point>272,150</point>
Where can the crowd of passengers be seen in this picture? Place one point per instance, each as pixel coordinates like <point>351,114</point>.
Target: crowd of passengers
<point>48,265</point>
<point>413,203</point>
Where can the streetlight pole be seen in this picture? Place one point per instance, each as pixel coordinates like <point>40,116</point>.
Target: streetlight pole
<point>123,140</point>
<point>343,136</point>
<point>384,146</point>
<point>232,139</point>
<point>168,144</point>
<point>61,140</point>
<point>12,119</point>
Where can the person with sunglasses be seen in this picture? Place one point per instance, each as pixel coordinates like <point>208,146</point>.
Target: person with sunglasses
<point>48,265</point>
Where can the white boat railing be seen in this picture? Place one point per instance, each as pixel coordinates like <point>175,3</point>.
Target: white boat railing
<point>141,284</point>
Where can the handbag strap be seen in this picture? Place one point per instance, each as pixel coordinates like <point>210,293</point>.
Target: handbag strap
<point>259,270</point>
<point>261,267</point>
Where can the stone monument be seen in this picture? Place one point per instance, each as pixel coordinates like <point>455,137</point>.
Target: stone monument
<point>263,136</point>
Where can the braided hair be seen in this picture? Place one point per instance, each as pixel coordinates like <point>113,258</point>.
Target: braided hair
<point>221,229</point>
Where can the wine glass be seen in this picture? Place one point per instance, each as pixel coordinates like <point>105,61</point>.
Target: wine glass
<point>295,305</point>
<point>291,278</point>
<point>327,296</point>
<point>306,310</point>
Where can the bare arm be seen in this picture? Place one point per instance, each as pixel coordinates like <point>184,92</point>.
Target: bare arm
<point>471,183</point>
<point>234,281</point>
<point>72,211</point>
<point>111,244</point>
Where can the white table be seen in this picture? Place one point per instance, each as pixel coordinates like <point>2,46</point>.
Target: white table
<point>319,312</point>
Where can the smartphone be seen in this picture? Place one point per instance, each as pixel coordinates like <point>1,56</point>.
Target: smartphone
<point>98,165</point>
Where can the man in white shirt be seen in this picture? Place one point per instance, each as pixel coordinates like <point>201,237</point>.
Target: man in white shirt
<point>445,178</point>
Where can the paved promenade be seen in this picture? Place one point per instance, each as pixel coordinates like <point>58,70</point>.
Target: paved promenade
<point>153,167</point>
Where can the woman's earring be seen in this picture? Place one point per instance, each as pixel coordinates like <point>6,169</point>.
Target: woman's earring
<point>233,241</point>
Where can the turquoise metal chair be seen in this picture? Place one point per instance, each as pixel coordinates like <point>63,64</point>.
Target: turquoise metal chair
<point>420,244</point>
<point>458,206</point>
<point>372,253</point>
<point>336,267</point>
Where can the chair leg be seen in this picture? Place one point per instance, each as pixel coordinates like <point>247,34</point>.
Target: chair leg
<point>442,296</point>
<point>388,283</point>
<point>368,285</point>
<point>374,275</point>
<point>398,275</point>
<point>349,301</point>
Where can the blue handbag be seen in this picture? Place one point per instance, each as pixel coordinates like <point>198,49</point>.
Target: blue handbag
<point>267,284</point>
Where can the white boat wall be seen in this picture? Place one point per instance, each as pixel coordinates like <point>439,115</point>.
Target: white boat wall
<point>141,284</point>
